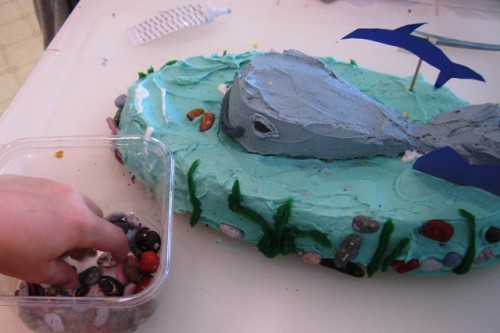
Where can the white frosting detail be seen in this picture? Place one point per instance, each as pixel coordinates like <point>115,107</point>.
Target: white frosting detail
<point>163,105</point>
<point>140,95</point>
<point>147,136</point>
<point>149,132</point>
<point>410,156</point>
<point>222,88</point>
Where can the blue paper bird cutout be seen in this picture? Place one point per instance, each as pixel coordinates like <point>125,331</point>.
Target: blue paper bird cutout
<point>447,164</point>
<point>421,47</point>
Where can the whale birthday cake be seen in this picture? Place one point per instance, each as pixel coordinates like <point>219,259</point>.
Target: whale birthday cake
<point>316,158</point>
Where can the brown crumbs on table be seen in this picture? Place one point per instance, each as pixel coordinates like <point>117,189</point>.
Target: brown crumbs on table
<point>59,154</point>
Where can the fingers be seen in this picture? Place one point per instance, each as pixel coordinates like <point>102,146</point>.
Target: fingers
<point>94,208</point>
<point>109,238</point>
<point>78,254</point>
<point>58,273</point>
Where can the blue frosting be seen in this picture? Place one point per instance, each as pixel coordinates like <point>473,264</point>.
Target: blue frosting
<point>326,196</point>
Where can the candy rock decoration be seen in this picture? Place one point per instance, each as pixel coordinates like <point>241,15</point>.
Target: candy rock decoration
<point>438,230</point>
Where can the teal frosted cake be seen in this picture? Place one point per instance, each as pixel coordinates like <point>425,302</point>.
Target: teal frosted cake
<point>358,214</point>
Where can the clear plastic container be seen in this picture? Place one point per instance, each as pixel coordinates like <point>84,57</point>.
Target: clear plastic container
<point>90,165</point>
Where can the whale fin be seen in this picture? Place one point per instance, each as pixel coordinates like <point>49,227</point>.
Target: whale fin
<point>378,34</point>
<point>408,29</point>
<point>457,71</point>
<point>360,34</point>
<point>446,163</point>
<point>424,49</point>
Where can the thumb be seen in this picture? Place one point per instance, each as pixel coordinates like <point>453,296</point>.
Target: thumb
<point>57,272</point>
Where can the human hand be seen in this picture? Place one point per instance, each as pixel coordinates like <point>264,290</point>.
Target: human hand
<point>41,221</point>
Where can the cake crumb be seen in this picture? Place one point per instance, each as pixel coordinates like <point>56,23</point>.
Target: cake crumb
<point>410,155</point>
<point>222,88</point>
<point>59,154</point>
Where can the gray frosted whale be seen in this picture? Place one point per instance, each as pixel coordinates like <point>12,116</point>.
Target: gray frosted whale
<point>294,105</point>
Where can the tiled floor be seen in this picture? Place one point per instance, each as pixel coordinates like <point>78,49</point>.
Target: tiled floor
<point>21,45</point>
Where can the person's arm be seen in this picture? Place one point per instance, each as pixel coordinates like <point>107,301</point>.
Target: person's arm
<point>41,221</point>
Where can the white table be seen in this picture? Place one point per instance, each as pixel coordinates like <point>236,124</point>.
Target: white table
<point>220,285</point>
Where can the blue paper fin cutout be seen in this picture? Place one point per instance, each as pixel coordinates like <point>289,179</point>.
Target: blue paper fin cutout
<point>446,163</point>
<point>421,47</point>
<point>457,71</point>
<point>408,29</point>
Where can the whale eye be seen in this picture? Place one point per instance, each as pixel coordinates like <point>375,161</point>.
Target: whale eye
<point>263,127</point>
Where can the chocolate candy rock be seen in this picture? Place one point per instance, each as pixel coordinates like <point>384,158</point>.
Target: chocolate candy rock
<point>102,316</point>
<point>115,216</point>
<point>492,235</point>
<point>347,250</point>
<point>120,101</point>
<point>105,260</point>
<point>78,321</point>
<point>118,219</point>
<point>485,255</point>
<point>351,268</point>
<point>34,321</point>
<point>144,283</point>
<point>147,239</point>
<point>231,231</point>
<point>402,267</point>
<point>131,269</point>
<point>149,262</point>
<point>23,289</point>
<point>452,259</point>
<point>54,321</point>
<point>133,221</point>
<point>110,286</point>
<point>122,224</point>
<point>309,257</point>
<point>364,224</point>
<point>55,291</point>
<point>430,265</point>
<point>90,276</point>
<point>118,321</point>
<point>207,121</point>
<point>82,290</point>
<point>129,289</point>
<point>195,113</point>
<point>437,230</point>
<point>35,290</point>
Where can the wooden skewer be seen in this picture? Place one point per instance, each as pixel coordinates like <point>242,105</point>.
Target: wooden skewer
<point>416,74</point>
<point>416,71</point>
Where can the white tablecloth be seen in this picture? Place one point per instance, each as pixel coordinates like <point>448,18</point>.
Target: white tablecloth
<point>220,285</point>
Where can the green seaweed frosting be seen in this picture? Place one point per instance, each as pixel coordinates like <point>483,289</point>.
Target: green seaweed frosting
<point>281,238</point>
<point>195,202</point>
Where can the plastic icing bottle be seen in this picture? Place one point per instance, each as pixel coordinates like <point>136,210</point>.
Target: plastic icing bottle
<point>172,20</point>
